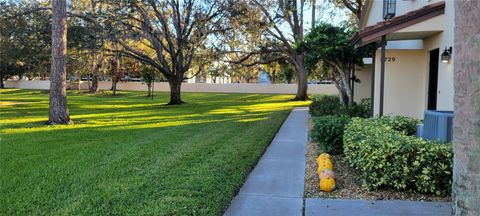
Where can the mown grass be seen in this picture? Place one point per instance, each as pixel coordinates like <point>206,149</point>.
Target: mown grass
<point>132,155</point>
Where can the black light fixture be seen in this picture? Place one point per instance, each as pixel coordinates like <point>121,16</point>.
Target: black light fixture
<point>446,55</point>
<point>389,7</point>
<point>355,79</point>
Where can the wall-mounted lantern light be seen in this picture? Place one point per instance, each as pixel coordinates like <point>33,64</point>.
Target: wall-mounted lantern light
<point>389,7</point>
<point>446,55</point>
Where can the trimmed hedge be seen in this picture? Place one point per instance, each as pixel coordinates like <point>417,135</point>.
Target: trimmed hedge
<point>330,105</point>
<point>401,123</point>
<point>363,109</point>
<point>328,132</point>
<point>329,119</point>
<point>325,105</point>
<point>389,158</point>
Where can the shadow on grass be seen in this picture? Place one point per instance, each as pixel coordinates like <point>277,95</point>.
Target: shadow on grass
<point>154,167</point>
<point>129,155</point>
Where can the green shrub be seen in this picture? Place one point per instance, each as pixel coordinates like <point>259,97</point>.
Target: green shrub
<point>330,117</point>
<point>331,105</point>
<point>328,132</point>
<point>325,105</point>
<point>403,124</point>
<point>389,158</point>
<point>363,109</point>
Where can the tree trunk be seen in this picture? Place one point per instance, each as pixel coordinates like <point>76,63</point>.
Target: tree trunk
<point>314,8</point>
<point>94,86</point>
<point>344,99</point>
<point>97,64</point>
<point>114,87</point>
<point>348,97</point>
<point>274,76</point>
<point>342,79</point>
<point>58,77</point>
<point>466,135</point>
<point>79,79</point>
<point>2,84</point>
<point>88,81</point>
<point>149,86</point>
<point>175,91</point>
<point>301,78</point>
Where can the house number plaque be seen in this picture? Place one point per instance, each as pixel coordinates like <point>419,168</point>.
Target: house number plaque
<point>390,59</point>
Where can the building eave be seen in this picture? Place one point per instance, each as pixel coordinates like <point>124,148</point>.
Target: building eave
<point>374,32</point>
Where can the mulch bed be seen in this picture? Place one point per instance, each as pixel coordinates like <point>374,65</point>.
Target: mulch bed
<point>348,184</point>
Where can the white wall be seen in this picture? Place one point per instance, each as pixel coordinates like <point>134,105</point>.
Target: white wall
<point>23,84</point>
<point>405,44</point>
<point>363,89</point>
<point>190,87</point>
<point>405,83</point>
<point>220,79</point>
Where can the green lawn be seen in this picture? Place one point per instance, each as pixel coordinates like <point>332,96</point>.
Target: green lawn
<point>130,154</point>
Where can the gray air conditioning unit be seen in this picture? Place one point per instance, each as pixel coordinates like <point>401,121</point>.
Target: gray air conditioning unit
<point>437,125</point>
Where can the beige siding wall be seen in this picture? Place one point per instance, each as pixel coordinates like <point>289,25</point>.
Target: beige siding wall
<point>406,80</point>
<point>403,7</point>
<point>405,83</point>
<point>362,89</point>
<point>190,87</point>
<point>445,71</point>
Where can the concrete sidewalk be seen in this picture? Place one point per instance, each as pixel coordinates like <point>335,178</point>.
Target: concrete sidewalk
<point>342,207</point>
<point>275,186</point>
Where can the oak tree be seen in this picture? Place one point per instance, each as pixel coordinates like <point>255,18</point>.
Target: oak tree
<point>174,35</point>
<point>280,25</point>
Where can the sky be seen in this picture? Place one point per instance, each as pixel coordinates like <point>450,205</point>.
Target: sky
<point>326,12</point>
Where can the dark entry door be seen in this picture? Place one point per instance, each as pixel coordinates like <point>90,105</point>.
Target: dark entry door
<point>433,79</point>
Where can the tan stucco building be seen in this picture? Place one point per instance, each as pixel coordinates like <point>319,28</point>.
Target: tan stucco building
<point>414,76</point>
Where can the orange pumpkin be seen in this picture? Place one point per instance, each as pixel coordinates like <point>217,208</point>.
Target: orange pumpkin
<point>324,167</point>
<point>326,155</point>
<point>321,159</point>
<point>325,164</point>
<point>326,173</point>
<point>327,184</point>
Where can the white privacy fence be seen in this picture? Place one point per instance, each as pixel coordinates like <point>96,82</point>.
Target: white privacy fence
<point>23,84</point>
<point>187,87</point>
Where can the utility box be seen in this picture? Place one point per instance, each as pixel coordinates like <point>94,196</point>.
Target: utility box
<point>437,125</point>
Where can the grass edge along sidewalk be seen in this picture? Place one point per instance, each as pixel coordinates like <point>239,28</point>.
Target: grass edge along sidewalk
<point>130,154</point>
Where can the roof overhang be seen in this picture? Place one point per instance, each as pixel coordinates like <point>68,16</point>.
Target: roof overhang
<point>416,24</point>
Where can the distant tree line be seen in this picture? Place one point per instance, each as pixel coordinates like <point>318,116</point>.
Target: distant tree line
<point>173,41</point>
